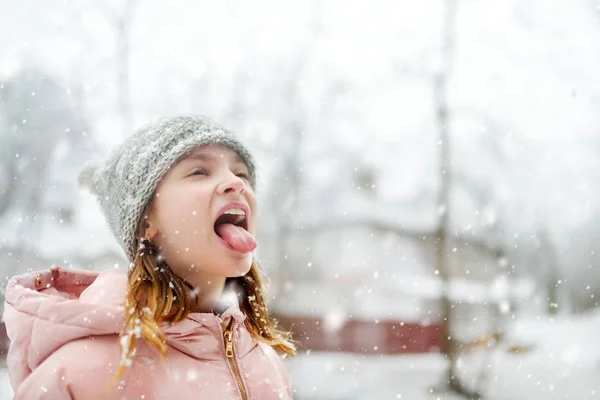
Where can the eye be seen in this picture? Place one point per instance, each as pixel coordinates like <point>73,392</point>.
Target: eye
<point>244,176</point>
<point>199,172</point>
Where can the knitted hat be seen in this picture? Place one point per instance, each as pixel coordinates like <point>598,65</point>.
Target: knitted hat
<point>125,183</point>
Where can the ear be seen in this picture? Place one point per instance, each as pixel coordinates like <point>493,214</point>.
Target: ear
<point>148,228</point>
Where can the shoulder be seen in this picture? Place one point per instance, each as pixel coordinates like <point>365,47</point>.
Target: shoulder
<point>272,357</point>
<point>271,354</point>
<point>272,374</point>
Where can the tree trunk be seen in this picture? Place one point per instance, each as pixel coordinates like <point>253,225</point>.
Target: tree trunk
<point>7,193</point>
<point>440,94</point>
<point>123,22</point>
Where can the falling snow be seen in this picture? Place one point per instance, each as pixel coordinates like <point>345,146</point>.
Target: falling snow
<point>363,246</point>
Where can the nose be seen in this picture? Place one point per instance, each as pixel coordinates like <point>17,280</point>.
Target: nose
<point>231,183</point>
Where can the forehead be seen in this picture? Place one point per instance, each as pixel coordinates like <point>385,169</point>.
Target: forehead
<point>213,153</point>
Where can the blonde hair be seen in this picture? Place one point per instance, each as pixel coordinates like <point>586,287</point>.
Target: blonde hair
<point>156,295</point>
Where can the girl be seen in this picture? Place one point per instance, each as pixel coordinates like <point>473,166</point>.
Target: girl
<point>188,319</point>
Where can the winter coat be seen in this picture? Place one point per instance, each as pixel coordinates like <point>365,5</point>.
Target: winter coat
<point>63,325</point>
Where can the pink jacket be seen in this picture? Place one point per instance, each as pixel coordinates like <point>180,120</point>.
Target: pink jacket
<point>64,324</point>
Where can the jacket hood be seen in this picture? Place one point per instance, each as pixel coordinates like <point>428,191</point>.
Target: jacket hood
<point>47,309</point>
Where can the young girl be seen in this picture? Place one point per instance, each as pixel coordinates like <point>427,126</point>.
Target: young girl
<point>188,319</point>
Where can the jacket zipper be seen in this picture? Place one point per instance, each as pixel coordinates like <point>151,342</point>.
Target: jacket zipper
<point>228,335</point>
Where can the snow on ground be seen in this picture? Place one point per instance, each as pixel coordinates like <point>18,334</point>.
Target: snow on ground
<point>559,359</point>
<point>349,376</point>
<point>563,361</point>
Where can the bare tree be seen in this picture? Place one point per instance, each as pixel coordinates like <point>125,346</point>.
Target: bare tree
<point>550,263</point>
<point>122,22</point>
<point>287,183</point>
<point>440,93</point>
<point>37,115</point>
<point>120,16</point>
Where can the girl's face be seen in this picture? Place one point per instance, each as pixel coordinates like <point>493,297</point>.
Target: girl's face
<point>192,196</point>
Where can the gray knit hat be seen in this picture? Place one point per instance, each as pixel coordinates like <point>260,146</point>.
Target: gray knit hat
<point>125,183</point>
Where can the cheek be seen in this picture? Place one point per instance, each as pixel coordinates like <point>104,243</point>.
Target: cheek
<point>182,212</point>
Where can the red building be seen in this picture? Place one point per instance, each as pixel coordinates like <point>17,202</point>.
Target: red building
<point>359,336</point>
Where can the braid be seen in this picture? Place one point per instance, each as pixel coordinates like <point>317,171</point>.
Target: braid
<point>155,295</point>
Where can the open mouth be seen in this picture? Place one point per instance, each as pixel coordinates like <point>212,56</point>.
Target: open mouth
<point>232,217</point>
<point>232,228</point>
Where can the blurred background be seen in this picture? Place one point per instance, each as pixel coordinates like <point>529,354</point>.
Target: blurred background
<point>429,173</point>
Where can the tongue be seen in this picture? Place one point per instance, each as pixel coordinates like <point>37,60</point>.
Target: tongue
<point>237,237</point>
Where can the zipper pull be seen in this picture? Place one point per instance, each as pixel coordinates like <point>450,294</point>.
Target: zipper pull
<point>229,339</point>
<point>229,344</point>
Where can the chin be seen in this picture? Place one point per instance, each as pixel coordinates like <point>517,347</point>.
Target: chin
<point>240,269</point>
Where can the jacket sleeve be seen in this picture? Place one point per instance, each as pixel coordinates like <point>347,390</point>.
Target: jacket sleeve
<point>47,381</point>
<point>79,370</point>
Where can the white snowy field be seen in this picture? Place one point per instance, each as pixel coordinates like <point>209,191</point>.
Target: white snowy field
<point>417,377</point>
<point>560,359</point>
<point>350,376</point>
